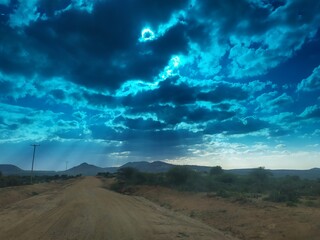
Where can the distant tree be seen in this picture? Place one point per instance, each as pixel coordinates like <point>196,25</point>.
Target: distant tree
<point>132,175</point>
<point>260,174</point>
<point>227,178</point>
<point>288,189</point>
<point>179,175</point>
<point>0,174</point>
<point>217,170</point>
<point>105,174</point>
<point>127,173</point>
<point>259,177</point>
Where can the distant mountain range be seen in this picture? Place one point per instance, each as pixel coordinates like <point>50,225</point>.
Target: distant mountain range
<point>150,167</point>
<point>88,170</point>
<point>153,167</point>
<point>9,169</point>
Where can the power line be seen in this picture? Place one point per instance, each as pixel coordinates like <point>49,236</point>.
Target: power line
<point>34,153</point>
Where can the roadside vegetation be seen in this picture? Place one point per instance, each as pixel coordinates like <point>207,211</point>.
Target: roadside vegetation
<point>259,183</point>
<point>17,180</point>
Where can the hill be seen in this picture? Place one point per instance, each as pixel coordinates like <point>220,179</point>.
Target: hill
<point>9,169</point>
<point>313,173</point>
<point>153,167</point>
<point>110,169</point>
<point>84,169</point>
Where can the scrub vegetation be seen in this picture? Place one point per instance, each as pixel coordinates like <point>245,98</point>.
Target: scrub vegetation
<point>17,180</point>
<point>259,183</point>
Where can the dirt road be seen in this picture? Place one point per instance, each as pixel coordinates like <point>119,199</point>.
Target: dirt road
<point>85,210</point>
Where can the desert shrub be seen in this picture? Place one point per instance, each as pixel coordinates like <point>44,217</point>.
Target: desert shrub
<point>118,186</point>
<point>213,185</point>
<point>127,173</point>
<point>223,193</point>
<point>258,180</point>
<point>217,170</point>
<point>105,174</point>
<point>17,180</point>
<point>226,178</point>
<point>220,182</point>
<point>311,204</point>
<point>179,175</point>
<point>13,180</point>
<point>155,179</point>
<point>309,187</point>
<point>286,191</point>
<point>241,198</point>
<point>291,204</point>
<point>132,176</point>
<point>276,196</point>
<point>195,182</point>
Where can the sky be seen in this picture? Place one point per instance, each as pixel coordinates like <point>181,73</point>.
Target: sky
<point>234,83</point>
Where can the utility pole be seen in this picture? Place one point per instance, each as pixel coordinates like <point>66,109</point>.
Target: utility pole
<point>34,153</point>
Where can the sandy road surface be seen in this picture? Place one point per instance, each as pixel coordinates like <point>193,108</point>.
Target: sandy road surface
<point>84,210</point>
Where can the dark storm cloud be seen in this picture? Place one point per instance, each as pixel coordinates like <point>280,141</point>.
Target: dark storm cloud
<point>311,83</point>
<point>28,123</point>
<point>104,52</point>
<point>92,50</point>
<point>5,87</point>
<point>162,144</point>
<point>50,8</point>
<point>224,92</point>
<point>81,70</point>
<point>13,56</point>
<point>282,100</point>
<point>236,126</point>
<point>255,35</point>
<point>173,115</point>
<point>142,139</point>
<point>311,112</point>
<point>174,103</point>
<point>68,134</point>
<point>271,102</point>
<point>230,15</point>
<point>139,123</point>
<point>299,12</point>
<point>279,132</point>
<point>203,115</point>
<point>58,94</point>
<point>69,129</point>
<point>6,8</point>
<point>179,94</point>
<point>102,131</point>
<point>167,92</point>
<point>98,99</point>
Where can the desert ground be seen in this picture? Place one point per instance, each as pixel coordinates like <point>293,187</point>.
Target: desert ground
<point>243,218</point>
<point>85,209</point>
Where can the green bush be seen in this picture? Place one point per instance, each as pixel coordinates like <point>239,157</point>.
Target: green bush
<point>105,174</point>
<point>132,176</point>
<point>258,180</point>
<point>179,175</point>
<point>16,180</point>
<point>256,183</point>
<point>217,170</point>
<point>118,186</point>
<point>227,178</point>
